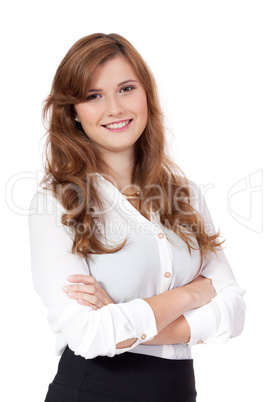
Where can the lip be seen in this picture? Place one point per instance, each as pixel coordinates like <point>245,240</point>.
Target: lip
<point>116,122</point>
<point>116,130</point>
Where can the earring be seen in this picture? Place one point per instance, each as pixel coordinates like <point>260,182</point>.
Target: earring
<point>77,119</point>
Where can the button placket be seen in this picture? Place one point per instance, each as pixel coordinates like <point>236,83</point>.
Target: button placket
<point>165,261</point>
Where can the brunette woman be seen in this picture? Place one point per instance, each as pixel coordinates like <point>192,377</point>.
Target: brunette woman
<point>124,252</point>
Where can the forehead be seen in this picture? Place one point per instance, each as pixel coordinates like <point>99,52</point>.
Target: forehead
<point>112,72</point>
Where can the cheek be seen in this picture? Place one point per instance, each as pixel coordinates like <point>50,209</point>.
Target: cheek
<point>141,106</point>
<point>88,115</point>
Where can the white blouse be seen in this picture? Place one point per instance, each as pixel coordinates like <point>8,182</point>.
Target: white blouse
<point>149,264</point>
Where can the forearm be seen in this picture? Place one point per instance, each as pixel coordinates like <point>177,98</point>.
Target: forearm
<point>167,308</point>
<point>176,332</point>
<point>170,305</point>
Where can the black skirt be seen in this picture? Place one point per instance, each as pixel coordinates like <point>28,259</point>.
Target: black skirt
<point>125,377</point>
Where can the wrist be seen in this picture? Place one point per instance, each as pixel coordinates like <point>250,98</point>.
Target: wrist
<point>170,305</point>
<point>189,298</point>
<point>192,297</point>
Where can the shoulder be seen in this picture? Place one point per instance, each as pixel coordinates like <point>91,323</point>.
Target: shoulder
<point>194,191</point>
<point>44,201</point>
<point>45,209</point>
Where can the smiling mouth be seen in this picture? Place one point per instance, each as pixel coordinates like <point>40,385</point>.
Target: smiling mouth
<point>118,126</point>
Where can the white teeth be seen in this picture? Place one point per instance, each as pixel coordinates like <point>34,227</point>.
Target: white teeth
<point>117,125</point>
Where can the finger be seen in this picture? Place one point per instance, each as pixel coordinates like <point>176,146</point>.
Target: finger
<point>92,299</point>
<point>90,289</point>
<point>86,279</point>
<point>87,304</point>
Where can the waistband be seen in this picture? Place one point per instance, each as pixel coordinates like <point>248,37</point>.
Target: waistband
<point>129,376</point>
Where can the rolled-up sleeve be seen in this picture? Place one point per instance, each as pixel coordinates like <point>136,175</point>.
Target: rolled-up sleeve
<point>223,318</point>
<point>88,332</point>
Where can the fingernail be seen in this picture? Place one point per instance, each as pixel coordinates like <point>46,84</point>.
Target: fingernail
<point>71,278</point>
<point>66,288</point>
<point>72,294</point>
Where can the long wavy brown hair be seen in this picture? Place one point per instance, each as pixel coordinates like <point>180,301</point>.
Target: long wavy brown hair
<point>71,157</point>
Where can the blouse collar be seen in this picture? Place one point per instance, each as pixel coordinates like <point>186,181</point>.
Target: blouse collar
<point>113,196</point>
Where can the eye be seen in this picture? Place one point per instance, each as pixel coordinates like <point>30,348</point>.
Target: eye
<point>128,88</point>
<point>93,97</point>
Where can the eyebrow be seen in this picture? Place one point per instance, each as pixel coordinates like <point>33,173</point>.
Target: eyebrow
<point>119,85</point>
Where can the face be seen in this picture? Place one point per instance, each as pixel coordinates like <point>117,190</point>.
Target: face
<point>115,112</point>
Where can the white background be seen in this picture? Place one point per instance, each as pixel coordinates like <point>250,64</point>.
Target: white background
<point>210,59</point>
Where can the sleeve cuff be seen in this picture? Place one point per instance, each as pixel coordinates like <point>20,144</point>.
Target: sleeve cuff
<point>141,322</point>
<point>202,322</point>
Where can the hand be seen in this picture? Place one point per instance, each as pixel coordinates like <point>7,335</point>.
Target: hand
<point>87,291</point>
<point>201,290</point>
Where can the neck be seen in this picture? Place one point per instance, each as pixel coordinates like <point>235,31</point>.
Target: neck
<point>119,167</point>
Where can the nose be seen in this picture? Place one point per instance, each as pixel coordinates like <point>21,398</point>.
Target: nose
<point>114,106</point>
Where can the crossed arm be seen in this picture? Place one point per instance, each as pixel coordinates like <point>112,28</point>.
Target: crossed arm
<point>114,328</point>
<point>168,307</point>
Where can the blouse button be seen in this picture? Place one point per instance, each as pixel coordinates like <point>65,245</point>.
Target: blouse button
<point>200,341</point>
<point>167,274</point>
<point>143,337</point>
<point>161,235</point>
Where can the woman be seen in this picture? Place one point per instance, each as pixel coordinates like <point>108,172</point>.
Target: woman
<point>120,238</point>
